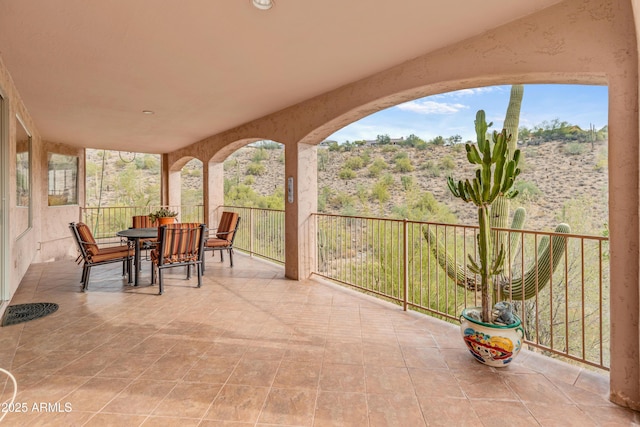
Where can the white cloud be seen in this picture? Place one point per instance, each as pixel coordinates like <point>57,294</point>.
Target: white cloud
<point>431,107</point>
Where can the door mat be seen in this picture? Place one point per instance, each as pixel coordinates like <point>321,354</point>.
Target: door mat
<point>24,312</point>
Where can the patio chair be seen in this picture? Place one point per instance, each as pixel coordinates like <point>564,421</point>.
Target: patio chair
<point>143,221</point>
<point>91,254</point>
<point>222,237</point>
<point>179,245</point>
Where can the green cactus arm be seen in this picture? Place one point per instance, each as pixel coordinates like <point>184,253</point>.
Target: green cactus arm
<point>459,274</point>
<point>519,216</point>
<point>538,275</point>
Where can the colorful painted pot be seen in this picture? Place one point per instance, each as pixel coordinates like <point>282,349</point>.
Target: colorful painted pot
<point>491,344</point>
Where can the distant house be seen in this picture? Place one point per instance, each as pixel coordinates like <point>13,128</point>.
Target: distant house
<point>392,141</point>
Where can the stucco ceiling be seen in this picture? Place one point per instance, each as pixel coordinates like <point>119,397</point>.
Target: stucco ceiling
<point>86,69</point>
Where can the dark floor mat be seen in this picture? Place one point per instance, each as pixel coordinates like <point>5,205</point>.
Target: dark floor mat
<point>24,312</point>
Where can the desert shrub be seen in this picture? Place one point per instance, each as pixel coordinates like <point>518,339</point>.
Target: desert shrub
<point>404,165</point>
<point>602,160</point>
<point>377,167</point>
<point>387,180</point>
<point>458,148</point>
<point>380,192</point>
<point>342,200</point>
<point>574,148</point>
<point>366,156</point>
<point>255,169</point>
<point>447,163</point>
<point>230,164</point>
<point>323,159</point>
<point>421,145</point>
<point>527,189</point>
<point>407,182</point>
<point>431,168</point>
<point>259,155</point>
<point>354,163</point>
<point>389,148</point>
<point>346,173</point>
<point>249,180</point>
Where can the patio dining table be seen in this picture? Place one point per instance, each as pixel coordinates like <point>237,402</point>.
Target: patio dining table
<point>134,235</point>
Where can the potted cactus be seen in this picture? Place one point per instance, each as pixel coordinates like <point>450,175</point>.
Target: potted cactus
<point>492,333</point>
<point>163,216</point>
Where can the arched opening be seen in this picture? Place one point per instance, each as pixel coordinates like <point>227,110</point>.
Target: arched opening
<point>192,191</point>
<point>394,164</point>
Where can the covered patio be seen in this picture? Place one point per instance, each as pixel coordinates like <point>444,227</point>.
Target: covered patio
<point>199,81</point>
<point>253,348</point>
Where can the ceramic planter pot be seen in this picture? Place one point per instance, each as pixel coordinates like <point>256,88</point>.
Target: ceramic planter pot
<point>166,220</point>
<point>493,345</point>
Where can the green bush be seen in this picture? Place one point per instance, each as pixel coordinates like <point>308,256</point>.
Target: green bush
<point>407,182</point>
<point>354,163</point>
<point>431,168</point>
<point>387,180</point>
<point>602,160</point>
<point>346,173</point>
<point>377,167</point>
<point>574,148</point>
<point>404,165</point>
<point>255,169</point>
<point>380,192</point>
<point>527,189</point>
<point>259,155</point>
<point>230,164</point>
<point>389,148</point>
<point>447,163</point>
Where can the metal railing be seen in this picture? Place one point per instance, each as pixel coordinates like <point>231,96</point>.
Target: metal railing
<point>105,222</point>
<point>566,315</point>
<point>261,232</point>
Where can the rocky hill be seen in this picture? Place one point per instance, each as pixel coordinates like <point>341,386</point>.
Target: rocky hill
<point>558,180</point>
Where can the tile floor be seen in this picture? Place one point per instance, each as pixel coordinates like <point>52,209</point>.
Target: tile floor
<point>251,348</point>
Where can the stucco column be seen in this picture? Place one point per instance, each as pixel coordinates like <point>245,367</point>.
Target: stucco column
<point>213,192</point>
<point>164,179</point>
<point>175,188</point>
<point>624,176</point>
<point>301,200</point>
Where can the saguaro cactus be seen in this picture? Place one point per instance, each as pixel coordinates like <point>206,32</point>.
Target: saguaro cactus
<point>494,177</point>
<point>549,256</point>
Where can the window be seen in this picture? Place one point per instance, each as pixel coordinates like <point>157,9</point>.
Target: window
<point>63,179</point>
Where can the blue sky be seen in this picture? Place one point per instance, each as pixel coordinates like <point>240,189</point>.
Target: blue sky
<point>453,113</point>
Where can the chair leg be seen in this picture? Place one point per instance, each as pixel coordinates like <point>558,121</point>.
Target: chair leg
<point>153,274</point>
<point>200,269</point>
<point>188,271</point>
<point>85,286</point>
<point>160,290</point>
<point>231,256</point>
<point>129,268</point>
<point>222,255</point>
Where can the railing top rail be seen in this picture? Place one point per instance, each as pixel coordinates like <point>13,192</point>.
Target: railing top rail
<point>134,207</point>
<point>252,208</point>
<point>442,224</point>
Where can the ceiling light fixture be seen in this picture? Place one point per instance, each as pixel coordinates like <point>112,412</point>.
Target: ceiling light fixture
<point>263,4</point>
<point>149,112</point>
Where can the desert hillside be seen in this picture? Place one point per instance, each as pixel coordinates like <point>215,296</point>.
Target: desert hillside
<point>558,180</point>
